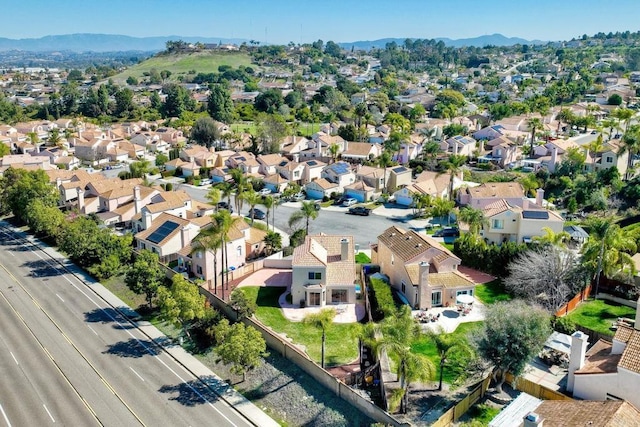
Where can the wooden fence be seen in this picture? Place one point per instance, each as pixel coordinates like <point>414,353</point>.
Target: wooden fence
<point>460,408</point>
<point>574,302</point>
<point>534,389</point>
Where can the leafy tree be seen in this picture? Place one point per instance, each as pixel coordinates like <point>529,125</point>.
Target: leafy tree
<point>474,218</point>
<point>182,303</point>
<point>321,320</point>
<point>139,169</point>
<point>19,187</point>
<point>442,208</point>
<point>253,199</point>
<point>124,102</point>
<point>514,332</point>
<point>243,306</point>
<point>225,222</point>
<point>161,159</point>
<point>384,161</point>
<point>445,345</point>
<point>75,74</point>
<point>269,202</point>
<point>241,346</point>
<point>44,219</point>
<point>269,101</point>
<point>548,276</point>
<point>205,132</point>
<point>4,150</point>
<point>271,129</point>
<point>145,275</point>
<point>219,104</point>
<point>178,100</point>
<point>614,99</point>
<point>132,81</point>
<point>453,164</point>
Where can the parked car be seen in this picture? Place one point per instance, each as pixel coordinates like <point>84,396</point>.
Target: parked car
<point>256,214</point>
<point>264,192</point>
<point>298,197</point>
<point>317,205</point>
<point>225,205</point>
<point>359,210</point>
<point>447,232</point>
<point>349,202</point>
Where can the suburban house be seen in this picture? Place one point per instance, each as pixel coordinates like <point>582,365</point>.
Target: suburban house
<point>608,371</point>
<point>360,191</point>
<point>507,222</point>
<point>339,173</point>
<point>373,177</point>
<point>324,271</point>
<point>432,183</point>
<point>421,268</point>
<point>276,183</point>
<point>503,151</point>
<point>609,156</point>
<point>244,161</point>
<point>358,152</point>
<point>291,171</point>
<point>399,176</point>
<point>460,145</point>
<point>312,170</point>
<point>268,163</point>
<point>168,234</point>
<point>551,153</point>
<point>489,192</point>
<point>410,150</point>
<point>292,145</point>
<point>321,188</point>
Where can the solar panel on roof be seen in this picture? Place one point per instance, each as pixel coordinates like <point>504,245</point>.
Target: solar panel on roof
<point>162,232</point>
<point>399,169</point>
<point>312,163</point>
<point>535,214</point>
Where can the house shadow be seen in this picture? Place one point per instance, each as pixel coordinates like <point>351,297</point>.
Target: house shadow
<point>133,348</point>
<point>268,296</point>
<point>279,279</point>
<point>194,392</point>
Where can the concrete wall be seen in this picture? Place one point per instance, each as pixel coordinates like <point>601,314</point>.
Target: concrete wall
<point>623,384</point>
<point>277,260</point>
<point>621,301</point>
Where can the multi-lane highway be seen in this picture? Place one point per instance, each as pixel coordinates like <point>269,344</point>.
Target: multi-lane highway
<point>69,358</point>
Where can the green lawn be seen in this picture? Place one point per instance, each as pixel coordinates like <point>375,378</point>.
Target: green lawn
<point>599,315</point>
<point>342,341</point>
<point>456,365</point>
<point>492,292</point>
<point>362,258</point>
<point>480,415</point>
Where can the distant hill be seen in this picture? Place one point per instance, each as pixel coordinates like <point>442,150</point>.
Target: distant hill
<point>102,43</point>
<point>493,39</point>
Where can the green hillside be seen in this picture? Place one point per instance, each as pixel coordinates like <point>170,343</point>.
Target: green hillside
<point>181,64</point>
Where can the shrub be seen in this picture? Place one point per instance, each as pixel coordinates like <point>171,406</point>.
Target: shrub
<point>564,325</point>
<point>382,304</point>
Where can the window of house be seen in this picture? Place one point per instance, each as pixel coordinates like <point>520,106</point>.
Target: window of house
<point>404,287</point>
<point>198,254</point>
<point>315,275</point>
<point>199,269</point>
<point>609,159</point>
<point>497,223</point>
<point>239,251</point>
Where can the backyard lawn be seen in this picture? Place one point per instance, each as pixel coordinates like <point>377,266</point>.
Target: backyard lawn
<point>492,292</point>
<point>455,367</point>
<point>342,339</point>
<point>599,315</point>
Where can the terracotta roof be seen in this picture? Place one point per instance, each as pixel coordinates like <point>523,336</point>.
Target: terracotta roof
<point>370,171</point>
<point>496,207</point>
<point>631,355</point>
<point>497,189</point>
<point>325,250</point>
<point>358,149</point>
<point>269,159</point>
<point>408,244</point>
<point>623,333</point>
<point>576,413</point>
<point>256,236</point>
<point>450,280</point>
<point>324,184</point>
<point>359,185</point>
<point>599,360</point>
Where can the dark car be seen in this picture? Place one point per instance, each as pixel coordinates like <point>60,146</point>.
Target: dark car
<point>447,232</point>
<point>256,214</point>
<point>359,210</point>
<point>225,205</point>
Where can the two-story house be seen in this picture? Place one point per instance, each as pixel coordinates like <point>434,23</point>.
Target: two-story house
<point>358,152</point>
<point>339,173</point>
<point>503,151</point>
<point>324,271</point>
<point>487,193</point>
<point>610,155</point>
<point>432,183</point>
<point>460,145</point>
<point>421,268</point>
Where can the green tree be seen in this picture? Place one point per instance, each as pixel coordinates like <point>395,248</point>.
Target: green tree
<point>243,306</point>
<point>614,99</point>
<point>253,199</point>
<point>271,129</point>
<point>309,213</point>
<point>445,345</point>
<point>453,164</point>
<point>209,239</point>
<point>442,208</point>
<point>4,150</point>
<point>182,303</point>
<point>384,161</point>
<point>177,101</point>
<point>145,275</point>
<point>241,346</point>
<point>269,202</point>
<point>124,103</point>
<point>534,124</point>
<point>631,146</point>
<point>474,218</point>
<point>514,332</point>
<point>273,241</point>
<point>205,132</point>
<point>219,104</point>
<point>43,219</point>
<point>321,320</point>
<point>19,187</point>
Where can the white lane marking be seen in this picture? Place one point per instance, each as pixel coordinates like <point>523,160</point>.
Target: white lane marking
<point>14,358</point>
<point>137,374</point>
<point>60,297</point>
<point>50,416</point>
<point>92,329</point>
<point>4,414</point>
<point>12,254</point>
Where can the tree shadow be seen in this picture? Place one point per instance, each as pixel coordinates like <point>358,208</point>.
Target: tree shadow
<point>103,315</point>
<point>272,385</point>
<point>268,296</point>
<point>133,348</point>
<point>194,392</point>
<point>41,268</point>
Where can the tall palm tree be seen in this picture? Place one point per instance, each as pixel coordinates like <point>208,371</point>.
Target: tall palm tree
<point>226,191</point>
<point>253,199</point>
<point>333,151</point>
<point>623,115</point>
<point>631,146</point>
<point>225,222</point>
<point>534,124</point>
<point>611,124</point>
<point>565,115</point>
<point>309,212</point>
<point>595,147</point>
<point>384,161</point>
<point>453,165</point>
<point>241,184</point>
<point>268,203</point>
<point>445,345</point>
<point>209,239</point>
<point>321,320</point>
<point>214,195</point>
<point>474,218</point>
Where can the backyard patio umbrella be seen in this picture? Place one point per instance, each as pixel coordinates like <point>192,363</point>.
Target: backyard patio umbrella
<point>464,299</point>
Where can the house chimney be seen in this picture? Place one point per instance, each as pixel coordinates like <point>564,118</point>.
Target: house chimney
<point>539,197</point>
<point>481,148</point>
<point>81,200</point>
<point>319,147</point>
<point>525,203</point>
<point>137,203</point>
<point>424,290</point>
<point>184,236</point>
<point>576,357</point>
<point>146,219</point>
<point>554,159</point>
<point>533,420</point>
<point>344,249</point>
<point>637,324</point>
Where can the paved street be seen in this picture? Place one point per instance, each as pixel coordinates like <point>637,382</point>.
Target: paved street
<point>70,358</point>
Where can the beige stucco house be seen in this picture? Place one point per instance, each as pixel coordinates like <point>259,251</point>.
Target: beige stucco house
<point>324,271</point>
<point>421,268</point>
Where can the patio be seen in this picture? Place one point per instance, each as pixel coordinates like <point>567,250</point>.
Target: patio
<point>448,318</point>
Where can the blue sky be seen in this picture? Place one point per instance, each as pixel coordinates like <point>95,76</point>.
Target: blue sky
<point>280,21</point>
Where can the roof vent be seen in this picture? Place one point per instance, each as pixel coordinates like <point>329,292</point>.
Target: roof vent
<point>408,238</point>
<point>393,234</point>
<point>418,245</point>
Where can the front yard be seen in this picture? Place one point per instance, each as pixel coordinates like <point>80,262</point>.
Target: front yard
<point>599,315</point>
<point>342,339</point>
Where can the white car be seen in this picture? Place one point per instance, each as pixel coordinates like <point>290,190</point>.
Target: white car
<point>349,202</point>
<point>264,192</point>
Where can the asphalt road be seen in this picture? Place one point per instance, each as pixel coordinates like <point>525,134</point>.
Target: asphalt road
<point>69,358</point>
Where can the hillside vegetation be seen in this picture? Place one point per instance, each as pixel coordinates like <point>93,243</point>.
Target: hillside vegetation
<point>183,63</point>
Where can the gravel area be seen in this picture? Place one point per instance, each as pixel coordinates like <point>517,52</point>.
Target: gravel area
<point>289,395</point>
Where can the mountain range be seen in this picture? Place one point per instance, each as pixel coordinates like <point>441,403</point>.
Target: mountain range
<point>121,43</point>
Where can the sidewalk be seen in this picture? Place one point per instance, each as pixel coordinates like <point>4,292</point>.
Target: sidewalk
<point>254,414</point>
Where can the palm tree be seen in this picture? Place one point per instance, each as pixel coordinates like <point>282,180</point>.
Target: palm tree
<point>453,165</point>
<point>610,124</point>
<point>272,241</point>
<point>552,238</point>
<point>309,212</point>
<point>268,203</point>
<point>631,146</point>
<point>209,239</point>
<point>442,207</point>
<point>474,218</point>
<point>534,124</point>
<point>624,115</point>
<point>321,320</point>
<point>607,249</point>
<point>565,115</point>
<point>445,345</point>
<point>384,161</point>
<point>241,184</point>
<point>214,195</point>
<point>333,151</point>
<point>595,147</point>
<point>225,222</point>
<point>420,203</point>
<point>530,183</point>
<point>226,191</point>
<point>252,198</point>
